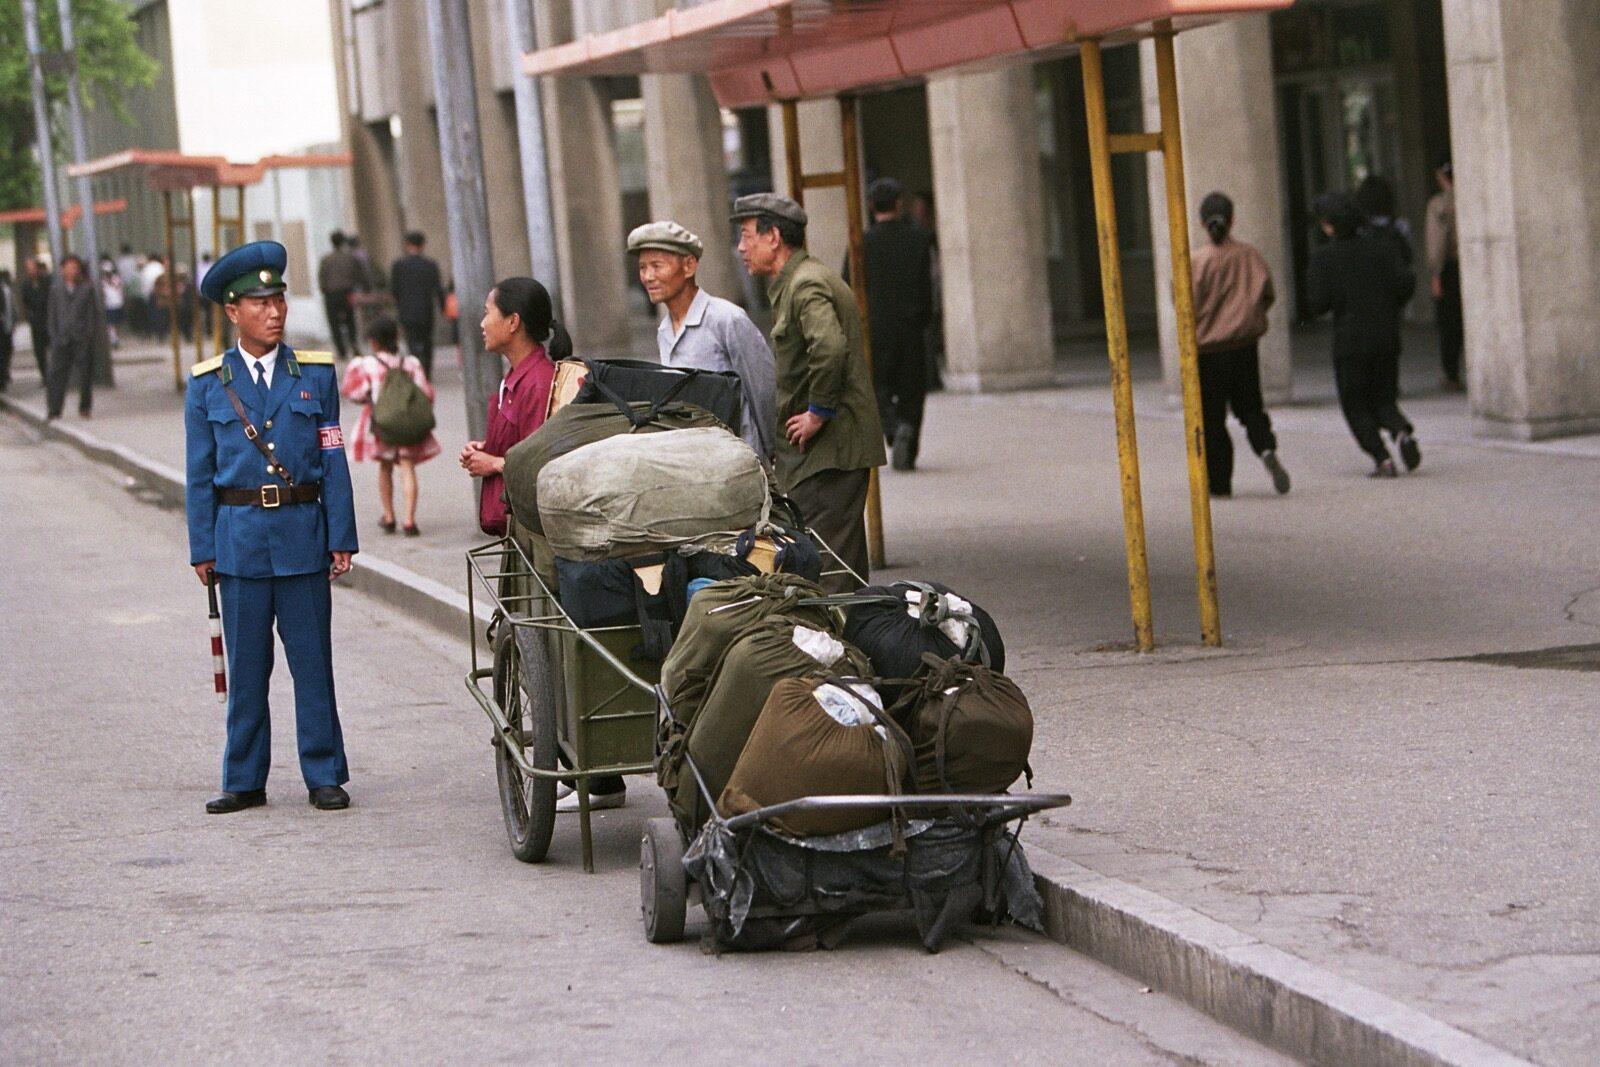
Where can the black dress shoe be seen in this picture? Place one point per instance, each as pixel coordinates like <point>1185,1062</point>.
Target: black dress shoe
<point>225,802</point>
<point>329,798</point>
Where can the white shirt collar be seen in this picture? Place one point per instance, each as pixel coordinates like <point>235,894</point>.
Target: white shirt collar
<point>268,362</point>
<point>693,317</point>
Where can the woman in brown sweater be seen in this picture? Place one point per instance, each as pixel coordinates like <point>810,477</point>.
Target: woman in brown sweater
<point>1232,292</point>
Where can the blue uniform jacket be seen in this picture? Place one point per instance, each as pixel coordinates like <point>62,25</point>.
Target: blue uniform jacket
<point>299,416</point>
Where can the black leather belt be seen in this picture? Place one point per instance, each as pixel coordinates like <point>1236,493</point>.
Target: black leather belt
<point>271,496</point>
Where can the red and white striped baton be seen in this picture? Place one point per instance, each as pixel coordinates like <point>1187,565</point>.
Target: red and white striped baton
<point>219,667</point>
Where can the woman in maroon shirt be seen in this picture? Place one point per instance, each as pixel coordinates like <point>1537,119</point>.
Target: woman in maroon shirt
<point>519,324</point>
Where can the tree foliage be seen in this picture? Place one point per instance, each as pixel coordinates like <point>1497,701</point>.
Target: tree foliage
<point>110,62</point>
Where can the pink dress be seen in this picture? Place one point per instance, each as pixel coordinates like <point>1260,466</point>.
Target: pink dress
<point>362,381</point>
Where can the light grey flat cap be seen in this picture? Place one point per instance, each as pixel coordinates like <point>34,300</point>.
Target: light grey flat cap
<point>667,237</point>
<point>757,204</point>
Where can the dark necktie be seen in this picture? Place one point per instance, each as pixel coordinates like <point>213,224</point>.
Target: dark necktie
<point>261,376</point>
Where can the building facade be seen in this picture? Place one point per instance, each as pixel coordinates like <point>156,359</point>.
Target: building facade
<point>1276,109</point>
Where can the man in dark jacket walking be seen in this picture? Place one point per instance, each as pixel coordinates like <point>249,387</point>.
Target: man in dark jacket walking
<point>899,263</point>
<point>1361,279</point>
<point>36,307</point>
<point>339,275</point>
<point>75,327</point>
<point>418,291</point>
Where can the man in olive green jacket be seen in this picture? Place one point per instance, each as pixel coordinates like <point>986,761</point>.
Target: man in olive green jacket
<point>829,437</point>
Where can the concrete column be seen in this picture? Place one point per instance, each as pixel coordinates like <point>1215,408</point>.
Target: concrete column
<point>1230,143</point>
<point>502,162</point>
<point>586,198</point>
<point>688,177</point>
<point>990,215</point>
<point>1527,163</point>
<point>417,162</point>
<point>821,151</point>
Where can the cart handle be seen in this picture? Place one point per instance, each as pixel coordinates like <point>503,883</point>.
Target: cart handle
<point>1020,804</point>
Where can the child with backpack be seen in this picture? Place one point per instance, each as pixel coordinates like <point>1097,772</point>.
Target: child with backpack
<point>396,423</point>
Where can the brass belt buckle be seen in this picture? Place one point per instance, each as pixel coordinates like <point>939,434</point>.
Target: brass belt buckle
<point>270,497</point>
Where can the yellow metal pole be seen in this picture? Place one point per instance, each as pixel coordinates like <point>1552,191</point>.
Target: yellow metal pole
<point>1094,95</point>
<point>177,355</point>
<point>194,270</point>
<point>1205,561</point>
<point>849,129</point>
<point>791,151</point>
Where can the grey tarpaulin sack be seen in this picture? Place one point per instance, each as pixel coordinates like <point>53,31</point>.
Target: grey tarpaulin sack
<point>573,427</point>
<point>634,493</point>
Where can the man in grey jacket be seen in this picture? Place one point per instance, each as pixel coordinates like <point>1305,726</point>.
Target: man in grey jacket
<point>704,331</point>
<point>75,329</point>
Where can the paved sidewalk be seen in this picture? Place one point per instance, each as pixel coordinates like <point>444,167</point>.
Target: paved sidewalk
<point>1338,781</point>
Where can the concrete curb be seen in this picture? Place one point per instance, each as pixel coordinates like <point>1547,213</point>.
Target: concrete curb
<point>1258,990</point>
<point>418,596</point>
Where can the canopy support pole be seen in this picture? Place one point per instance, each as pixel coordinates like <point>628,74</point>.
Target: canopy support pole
<point>172,262</point>
<point>850,180</point>
<point>219,223</point>
<point>1188,346</point>
<point>1094,95</point>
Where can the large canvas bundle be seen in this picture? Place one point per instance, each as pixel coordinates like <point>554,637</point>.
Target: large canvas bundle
<point>971,728</point>
<point>773,650</point>
<point>896,625</point>
<point>720,614</point>
<point>637,492</point>
<point>817,738</point>
<point>571,428</point>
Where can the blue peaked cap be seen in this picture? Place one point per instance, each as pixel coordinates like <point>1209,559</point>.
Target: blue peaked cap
<point>255,269</point>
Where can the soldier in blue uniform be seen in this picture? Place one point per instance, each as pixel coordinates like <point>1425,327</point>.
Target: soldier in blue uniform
<point>271,513</point>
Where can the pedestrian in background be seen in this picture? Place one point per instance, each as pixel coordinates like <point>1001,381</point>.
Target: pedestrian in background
<point>1232,295</point>
<point>829,436</point>
<point>363,381</point>
<point>9,302</point>
<point>36,307</point>
<point>1444,274</point>
<point>1375,200</point>
<point>132,290</point>
<point>340,275</point>
<point>418,290</point>
<point>702,331</point>
<point>200,271</point>
<point>899,265</point>
<point>150,274</point>
<point>111,297</point>
<point>1360,278</point>
<point>75,326</point>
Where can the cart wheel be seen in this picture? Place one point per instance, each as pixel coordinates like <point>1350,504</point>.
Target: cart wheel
<point>528,804</point>
<point>663,887</point>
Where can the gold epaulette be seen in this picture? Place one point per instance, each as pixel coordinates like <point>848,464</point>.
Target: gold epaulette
<point>324,359</point>
<point>205,368</point>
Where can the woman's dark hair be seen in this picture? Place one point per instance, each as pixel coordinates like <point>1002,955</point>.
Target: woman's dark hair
<point>526,298</point>
<point>1375,197</point>
<point>1339,211</point>
<point>1216,212</point>
<point>383,332</point>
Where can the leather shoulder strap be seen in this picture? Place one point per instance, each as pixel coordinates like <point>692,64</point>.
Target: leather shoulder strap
<point>254,437</point>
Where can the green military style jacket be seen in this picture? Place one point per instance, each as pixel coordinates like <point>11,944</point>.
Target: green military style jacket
<point>822,362</point>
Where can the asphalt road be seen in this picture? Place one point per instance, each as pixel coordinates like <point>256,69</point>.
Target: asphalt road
<point>138,929</point>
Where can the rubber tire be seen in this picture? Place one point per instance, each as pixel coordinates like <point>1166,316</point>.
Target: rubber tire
<point>523,687</point>
<point>663,885</point>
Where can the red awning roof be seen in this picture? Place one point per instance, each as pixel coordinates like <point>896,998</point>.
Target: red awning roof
<point>69,215</point>
<point>167,169</point>
<point>761,51</point>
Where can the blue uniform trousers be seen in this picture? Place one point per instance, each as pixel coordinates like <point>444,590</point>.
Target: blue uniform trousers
<point>303,607</point>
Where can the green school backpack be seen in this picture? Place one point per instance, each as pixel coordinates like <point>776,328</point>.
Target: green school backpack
<point>402,415</point>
